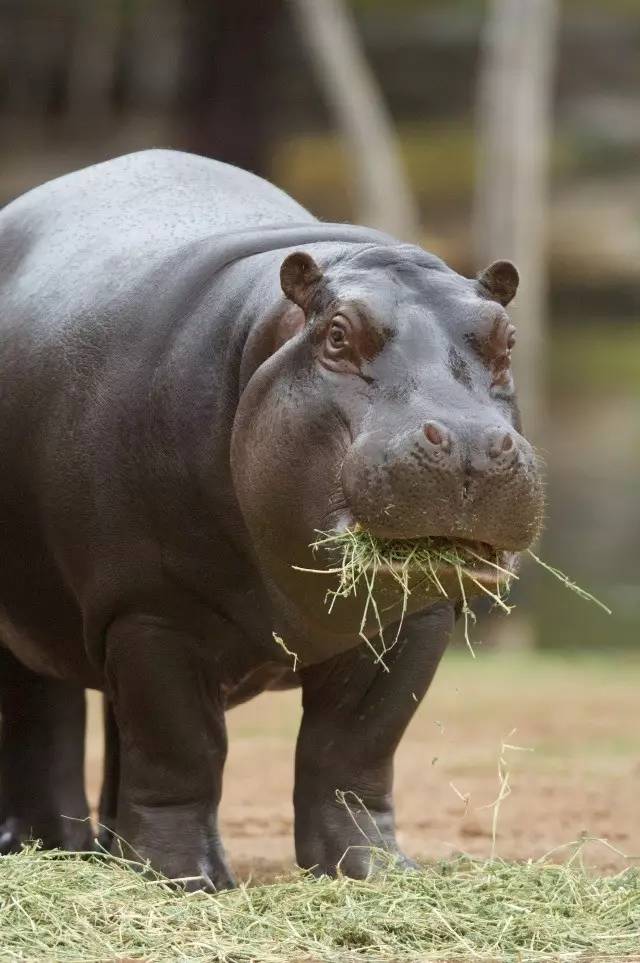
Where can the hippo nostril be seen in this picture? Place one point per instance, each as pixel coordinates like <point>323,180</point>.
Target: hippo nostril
<point>507,443</point>
<point>433,434</point>
<point>500,443</point>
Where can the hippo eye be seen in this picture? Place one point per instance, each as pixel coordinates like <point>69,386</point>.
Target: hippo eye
<point>337,338</point>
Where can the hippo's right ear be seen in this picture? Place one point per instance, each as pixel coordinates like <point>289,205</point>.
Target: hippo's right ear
<point>299,277</point>
<point>500,281</point>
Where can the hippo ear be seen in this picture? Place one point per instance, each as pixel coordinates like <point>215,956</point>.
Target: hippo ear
<point>299,276</point>
<point>500,281</point>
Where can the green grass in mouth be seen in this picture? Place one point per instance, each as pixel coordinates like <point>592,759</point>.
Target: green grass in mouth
<point>416,564</point>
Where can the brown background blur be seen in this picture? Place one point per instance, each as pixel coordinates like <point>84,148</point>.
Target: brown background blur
<point>85,80</point>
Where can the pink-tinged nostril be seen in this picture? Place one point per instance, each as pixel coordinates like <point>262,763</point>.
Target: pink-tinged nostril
<point>507,443</point>
<point>433,434</point>
<point>500,443</point>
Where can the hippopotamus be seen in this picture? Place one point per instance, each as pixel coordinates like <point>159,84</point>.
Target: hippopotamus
<point>196,377</point>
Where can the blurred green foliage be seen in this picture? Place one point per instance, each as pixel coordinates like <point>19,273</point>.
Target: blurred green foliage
<point>594,359</point>
<point>439,158</point>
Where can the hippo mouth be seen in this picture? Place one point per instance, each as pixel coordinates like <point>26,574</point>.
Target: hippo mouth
<point>479,561</point>
<point>385,572</point>
<point>439,563</point>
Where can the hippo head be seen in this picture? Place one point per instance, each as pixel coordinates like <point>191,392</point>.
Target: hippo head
<point>386,401</point>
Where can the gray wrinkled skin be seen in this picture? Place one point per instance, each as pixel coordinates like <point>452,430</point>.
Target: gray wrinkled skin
<point>195,376</point>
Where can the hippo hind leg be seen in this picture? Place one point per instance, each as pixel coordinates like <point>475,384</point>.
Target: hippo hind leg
<point>169,713</point>
<point>42,732</point>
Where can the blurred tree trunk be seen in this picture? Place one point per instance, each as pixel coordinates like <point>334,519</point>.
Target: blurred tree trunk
<point>62,35</point>
<point>383,195</point>
<point>514,134</point>
<point>123,54</point>
<point>93,62</point>
<point>224,105</point>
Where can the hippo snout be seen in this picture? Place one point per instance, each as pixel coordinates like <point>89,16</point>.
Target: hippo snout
<point>474,481</point>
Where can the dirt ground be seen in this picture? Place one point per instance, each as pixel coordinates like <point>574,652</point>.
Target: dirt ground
<point>580,717</point>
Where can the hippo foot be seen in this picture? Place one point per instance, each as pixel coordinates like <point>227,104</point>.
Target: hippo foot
<point>54,833</point>
<point>177,842</point>
<point>187,869</point>
<point>210,874</point>
<point>361,861</point>
<point>214,876</point>
<point>105,840</point>
<point>348,836</point>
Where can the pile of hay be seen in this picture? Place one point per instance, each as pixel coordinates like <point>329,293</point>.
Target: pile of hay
<point>63,907</point>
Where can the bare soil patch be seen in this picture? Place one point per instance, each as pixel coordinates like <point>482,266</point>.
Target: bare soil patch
<point>579,716</point>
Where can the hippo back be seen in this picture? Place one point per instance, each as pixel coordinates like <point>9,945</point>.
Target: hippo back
<point>138,207</point>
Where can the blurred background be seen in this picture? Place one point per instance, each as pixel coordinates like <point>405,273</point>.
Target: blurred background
<point>508,128</point>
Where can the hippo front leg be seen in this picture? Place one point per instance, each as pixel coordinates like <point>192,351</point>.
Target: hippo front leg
<point>173,746</point>
<point>355,713</point>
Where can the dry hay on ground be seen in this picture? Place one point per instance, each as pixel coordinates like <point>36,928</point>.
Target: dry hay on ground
<point>56,906</point>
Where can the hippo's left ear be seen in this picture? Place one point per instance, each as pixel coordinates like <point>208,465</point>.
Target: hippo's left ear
<point>299,277</point>
<point>500,281</point>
